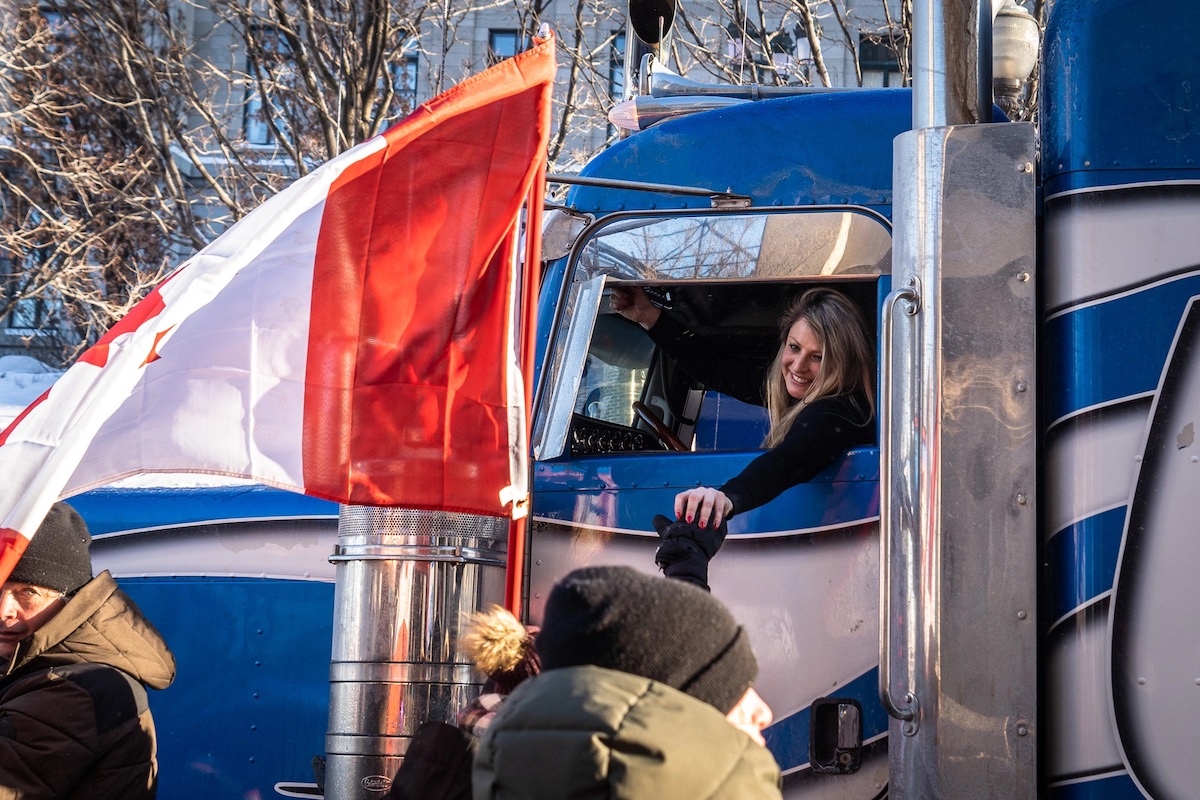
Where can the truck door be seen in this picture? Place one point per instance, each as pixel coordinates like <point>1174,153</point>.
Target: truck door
<point>801,573</point>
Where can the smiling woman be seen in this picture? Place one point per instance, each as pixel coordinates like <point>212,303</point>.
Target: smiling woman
<point>824,352</point>
<point>817,391</point>
<point>800,359</point>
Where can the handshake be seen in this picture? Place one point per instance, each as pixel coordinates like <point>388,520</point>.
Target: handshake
<point>685,549</point>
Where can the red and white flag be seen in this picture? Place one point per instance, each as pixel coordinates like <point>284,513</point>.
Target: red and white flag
<point>351,339</point>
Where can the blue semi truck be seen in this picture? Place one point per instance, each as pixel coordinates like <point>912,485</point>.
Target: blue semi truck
<point>995,601</point>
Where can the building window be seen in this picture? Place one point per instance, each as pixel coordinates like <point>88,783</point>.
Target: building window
<point>270,61</point>
<point>616,67</point>
<point>802,63</point>
<point>255,126</point>
<point>404,75</point>
<point>502,44</point>
<point>616,73</point>
<point>761,57</point>
<point>735,43</point>
<point>30,315</point>
<point>879,64</point>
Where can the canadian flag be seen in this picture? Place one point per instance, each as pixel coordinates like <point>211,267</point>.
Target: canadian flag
<point>354,338</point>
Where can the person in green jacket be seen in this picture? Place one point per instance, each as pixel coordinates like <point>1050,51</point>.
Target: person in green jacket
<point>646,691</point>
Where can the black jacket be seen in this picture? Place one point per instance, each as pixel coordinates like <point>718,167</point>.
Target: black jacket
<point>74,720</point>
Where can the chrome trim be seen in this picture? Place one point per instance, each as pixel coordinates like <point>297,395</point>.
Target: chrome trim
<point>407,583</point>
<point>964,465</point>
<point>401,672</point>
<point>641,186</point>
<point>952,81</point>
<point>347,744</point>
<point>908,709</point>
<point>665,83</point>
<point>458,555</point>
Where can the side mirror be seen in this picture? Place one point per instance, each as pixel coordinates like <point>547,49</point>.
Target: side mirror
<point>835,735</point>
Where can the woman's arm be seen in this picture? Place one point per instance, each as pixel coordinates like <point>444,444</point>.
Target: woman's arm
<point>726,372</point>
<point>821,432</point>
<point>729,374</point>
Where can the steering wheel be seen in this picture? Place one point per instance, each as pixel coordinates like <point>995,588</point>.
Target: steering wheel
<point>651,418</point>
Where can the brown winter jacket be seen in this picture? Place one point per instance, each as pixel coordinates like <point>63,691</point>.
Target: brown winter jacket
<point>72,726</point>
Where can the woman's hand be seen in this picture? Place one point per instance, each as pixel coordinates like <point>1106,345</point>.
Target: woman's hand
<point>633,304</point>
<point>702,504</point>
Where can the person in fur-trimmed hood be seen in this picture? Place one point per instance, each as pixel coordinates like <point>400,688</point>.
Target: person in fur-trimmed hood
<point>501,648</point>
<point>437,765</point>
<point>76,656</point>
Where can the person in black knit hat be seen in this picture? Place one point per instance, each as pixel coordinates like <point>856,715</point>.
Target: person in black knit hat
<point>646,690</point>
<point>57,557</point>
<point>618,618</point>
<point>76,656</point>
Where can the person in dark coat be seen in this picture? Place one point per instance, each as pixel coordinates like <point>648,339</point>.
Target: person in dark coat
<point>437,764</point>
<point>646,691</point>
<point>76,656</point>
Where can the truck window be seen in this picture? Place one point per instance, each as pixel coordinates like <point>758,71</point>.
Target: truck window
<point>614,374</point>
<point>734,328</point>
<point>727,276</point>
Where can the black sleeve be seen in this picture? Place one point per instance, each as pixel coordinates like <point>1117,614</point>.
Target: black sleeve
<point>822,431</point>
<point>715,368</point>
<point>436,764</point>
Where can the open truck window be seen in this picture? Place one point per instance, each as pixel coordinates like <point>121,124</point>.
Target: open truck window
<point>727,278</point>
<point>734,329</point>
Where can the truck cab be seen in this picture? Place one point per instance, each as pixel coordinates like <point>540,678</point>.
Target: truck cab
<point>621,426</point>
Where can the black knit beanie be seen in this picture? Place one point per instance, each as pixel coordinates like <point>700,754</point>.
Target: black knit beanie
<point>57,556</point>
<point>663,629</point>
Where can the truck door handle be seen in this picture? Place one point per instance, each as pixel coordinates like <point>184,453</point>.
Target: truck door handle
<point>906,711</point>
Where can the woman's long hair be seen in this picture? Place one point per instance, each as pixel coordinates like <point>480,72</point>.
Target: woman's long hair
<point>847,360</point>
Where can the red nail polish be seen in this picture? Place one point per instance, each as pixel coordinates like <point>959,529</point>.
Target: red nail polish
<point>689,518</point>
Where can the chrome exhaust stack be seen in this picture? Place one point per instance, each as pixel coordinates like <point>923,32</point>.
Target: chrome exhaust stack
<point>406,583</point>
<point>650,23</point>
<point>959,591</point>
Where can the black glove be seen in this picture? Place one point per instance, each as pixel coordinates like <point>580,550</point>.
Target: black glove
<point>685,549</point>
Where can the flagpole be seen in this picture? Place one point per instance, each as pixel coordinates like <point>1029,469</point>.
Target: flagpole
<point>530,275</point>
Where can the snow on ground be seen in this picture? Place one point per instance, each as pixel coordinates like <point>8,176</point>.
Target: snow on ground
<point>23,379</point>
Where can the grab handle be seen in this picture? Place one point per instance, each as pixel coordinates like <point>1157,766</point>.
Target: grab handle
<point>907,710</point>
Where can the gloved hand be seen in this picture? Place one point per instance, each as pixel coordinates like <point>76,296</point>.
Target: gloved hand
<point>685,549</point>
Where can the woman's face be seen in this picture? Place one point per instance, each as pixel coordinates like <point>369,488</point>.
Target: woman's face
<point>801,360</point>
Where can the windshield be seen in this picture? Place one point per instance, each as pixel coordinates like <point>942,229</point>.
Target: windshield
<point>725,277</point>
<point>738,246</point>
